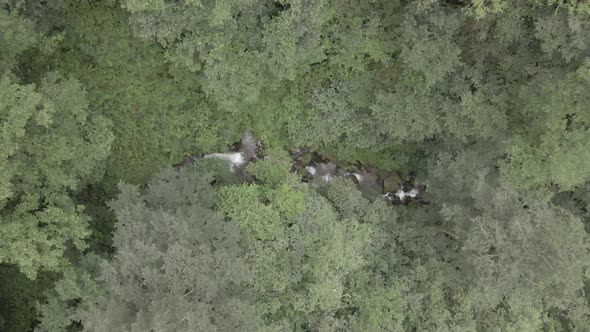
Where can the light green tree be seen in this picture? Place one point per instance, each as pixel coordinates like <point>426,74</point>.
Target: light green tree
<point>51,148</point>
<point>303,249</point>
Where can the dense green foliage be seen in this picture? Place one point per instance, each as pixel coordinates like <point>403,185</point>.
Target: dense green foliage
<point>486,101</point>
<point>50,147</point>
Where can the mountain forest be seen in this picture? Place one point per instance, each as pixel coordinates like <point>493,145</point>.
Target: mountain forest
<point>294,165</point>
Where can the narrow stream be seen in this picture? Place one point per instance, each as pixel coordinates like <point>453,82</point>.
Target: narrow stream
<point>310,165</point>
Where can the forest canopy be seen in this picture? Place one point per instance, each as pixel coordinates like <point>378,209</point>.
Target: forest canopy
<point>294,165</point>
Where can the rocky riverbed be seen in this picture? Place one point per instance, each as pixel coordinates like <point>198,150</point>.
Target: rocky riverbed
<point>393,186</point>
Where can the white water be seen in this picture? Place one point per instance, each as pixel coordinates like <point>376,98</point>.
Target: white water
<point>401,194</point>
<point>235,159</point>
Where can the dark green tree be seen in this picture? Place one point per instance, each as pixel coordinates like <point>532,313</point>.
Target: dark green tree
<point>178,264</point>
<point>72,293</point>
<point>19,35</point>
<point>552,149</point>
<point>157,119</point>
<point>520,262</point>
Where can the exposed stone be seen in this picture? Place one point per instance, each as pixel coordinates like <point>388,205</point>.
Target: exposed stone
<point>249,147</point>
<point>391,183</point>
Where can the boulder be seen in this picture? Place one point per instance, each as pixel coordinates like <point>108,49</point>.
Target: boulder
<point>391,183</point>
